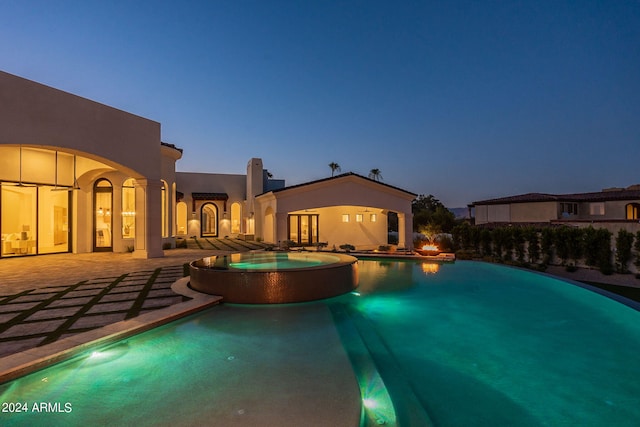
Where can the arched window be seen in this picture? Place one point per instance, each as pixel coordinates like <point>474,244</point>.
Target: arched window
<point>181,218</point>
<point>128,209</point>
<point>165,209</point>
<point>103,218</point>
<point>236,216</point>
<point>632,210</point>
<point>209,220</point>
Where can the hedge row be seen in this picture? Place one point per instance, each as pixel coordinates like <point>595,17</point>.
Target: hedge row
<point>543,246</point>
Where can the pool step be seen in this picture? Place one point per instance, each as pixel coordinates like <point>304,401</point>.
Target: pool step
<point>387,395</point>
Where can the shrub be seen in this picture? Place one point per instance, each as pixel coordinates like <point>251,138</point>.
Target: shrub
<point>463,254</point>
<point>533,249</point>
<point>636,246</point>
<point>347,247</point>
<point>546,245</point>
<point>604,251</point>
<point>518,241</point>
<point>287,244</point>
<point>624,243</point>
<point>485,242</point>
<point>571,268</point>
<point>590,246</point>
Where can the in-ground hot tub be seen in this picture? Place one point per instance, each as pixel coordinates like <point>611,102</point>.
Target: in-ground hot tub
<point>275,277</point>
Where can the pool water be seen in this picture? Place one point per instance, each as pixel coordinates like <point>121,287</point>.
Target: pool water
<point>267,261</point>
<point>464,344</point>
<point>279,260</point>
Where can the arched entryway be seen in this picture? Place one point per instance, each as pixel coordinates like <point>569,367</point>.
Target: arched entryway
<point>209,220</point>
<point>102,218</point>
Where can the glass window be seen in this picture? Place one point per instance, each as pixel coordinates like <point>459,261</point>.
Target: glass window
<point>373,217</point>
<point>359,217</point>
<point>596,209</point>
<point>18,220</point>
<point>345,217</point>
<point>314,229</point>
<point>303,229</point>
<point>53,220</point>
<point>128,209</point>
<point>235,217</point>
<point>165,210</point>
<point>181,218</point>
<point>103,220</point>
<point>294,231</point>
<point>632,211</point>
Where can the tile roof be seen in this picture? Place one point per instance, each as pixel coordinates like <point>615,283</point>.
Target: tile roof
<point>342,176</point>
<point>209,196</point>
<point>599,196</point>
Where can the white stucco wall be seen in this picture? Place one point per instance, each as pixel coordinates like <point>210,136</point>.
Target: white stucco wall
<point>534,212</point>
<point>351,193</point>
<point>33,114</point>
<point>363,235</point>
<point>499,213</point>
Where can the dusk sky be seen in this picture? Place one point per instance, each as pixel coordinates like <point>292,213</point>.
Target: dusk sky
<point>465,100</point>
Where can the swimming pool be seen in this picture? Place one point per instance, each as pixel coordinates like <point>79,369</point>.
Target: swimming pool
<point>459,344</point>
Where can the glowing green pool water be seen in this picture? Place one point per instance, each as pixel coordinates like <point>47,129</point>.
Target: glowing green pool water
<point>279,260</point>
<point>464,344</point>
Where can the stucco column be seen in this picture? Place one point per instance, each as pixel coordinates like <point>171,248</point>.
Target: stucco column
<point>281,227</point>
<point>148,240</point>
<point>405,230</point>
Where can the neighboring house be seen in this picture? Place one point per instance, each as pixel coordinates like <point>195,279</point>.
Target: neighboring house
<point>79,176</point>
<point>611,208</point>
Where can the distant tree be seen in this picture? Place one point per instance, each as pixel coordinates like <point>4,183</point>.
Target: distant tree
<point>375,174</point>
<point>430,216</point>
<point>269,174</point>
<point>334,167</point>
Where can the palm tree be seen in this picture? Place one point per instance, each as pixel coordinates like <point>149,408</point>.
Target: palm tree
<point>334,167</point>
<point>375,174</point>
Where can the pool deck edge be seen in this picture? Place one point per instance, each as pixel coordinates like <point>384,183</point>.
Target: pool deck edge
<point>28,361</point>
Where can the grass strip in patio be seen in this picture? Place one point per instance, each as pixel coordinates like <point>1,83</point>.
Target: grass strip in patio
<point>142,295</point>
<point>62,329</point>
<point>19,318</point>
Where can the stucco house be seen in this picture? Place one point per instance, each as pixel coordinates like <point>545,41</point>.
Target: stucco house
<point>611,208</point>
<point>79,176</point>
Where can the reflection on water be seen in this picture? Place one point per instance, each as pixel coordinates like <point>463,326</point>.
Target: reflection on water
<point>430,267</point>
<point>391,276</point>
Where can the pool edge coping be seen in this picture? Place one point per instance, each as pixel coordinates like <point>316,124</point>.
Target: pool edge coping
<point>26,362</point>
